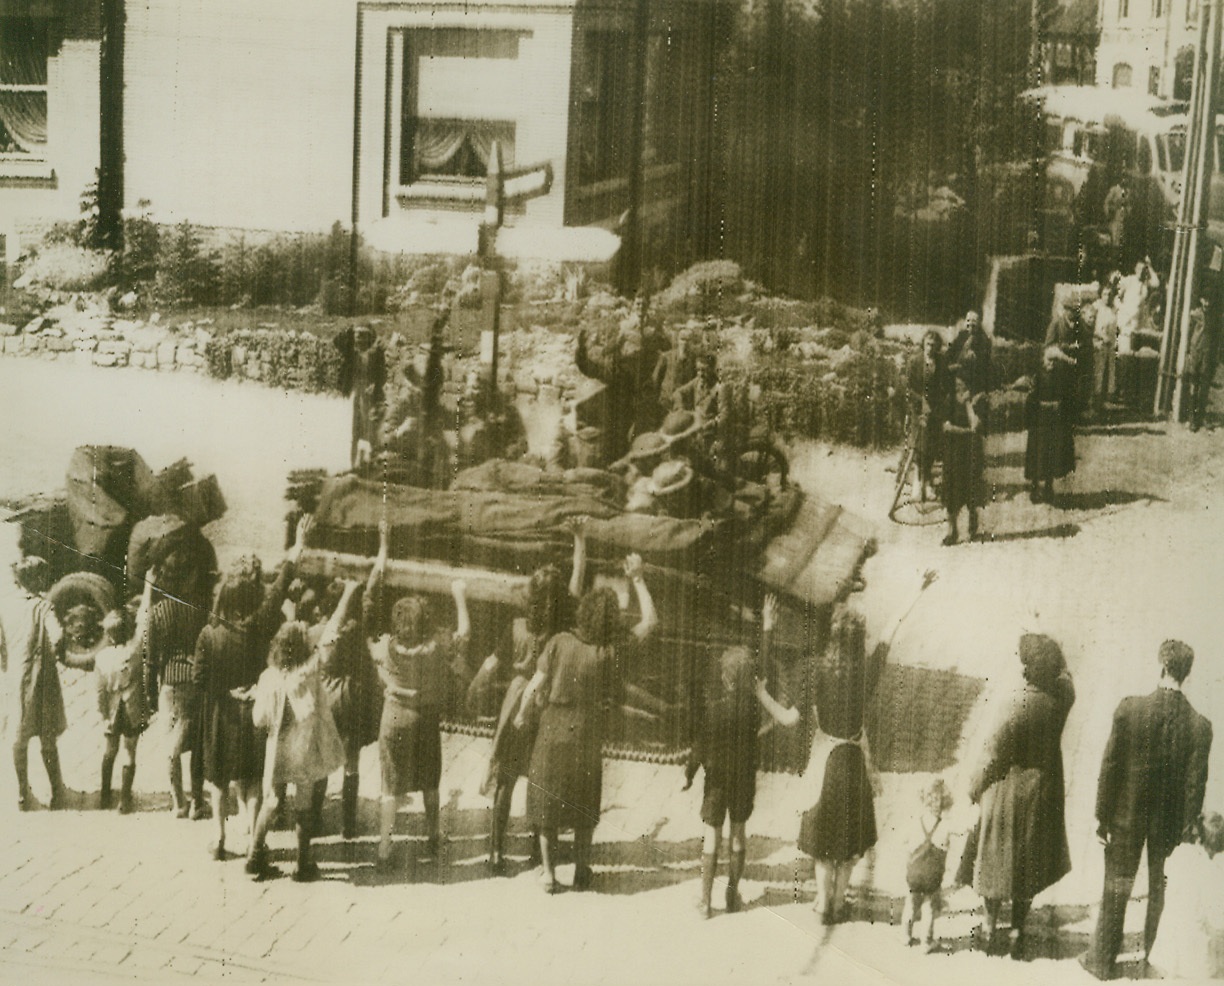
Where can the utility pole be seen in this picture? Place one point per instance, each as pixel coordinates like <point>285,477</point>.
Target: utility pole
<point>110,125</point>
<point>1191,215</point>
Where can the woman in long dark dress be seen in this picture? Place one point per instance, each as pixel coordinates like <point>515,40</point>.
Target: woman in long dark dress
<point>964,460</point>
<point>1022,835</point>
<point>510,758</point>
<point>1049,416</point>
<point>231,653</point>
<point>841,826</point>
<point>578,678</point>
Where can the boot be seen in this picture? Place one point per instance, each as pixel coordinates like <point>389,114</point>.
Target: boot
<point>181,806</point>
<point>348,806</point>
<point>735,869</point>
<point>25,800</point>
<point>306,869</point>
<point>126,805</point>
<point>108,770</point>
<point>709,864</point>
<point>50,757</point>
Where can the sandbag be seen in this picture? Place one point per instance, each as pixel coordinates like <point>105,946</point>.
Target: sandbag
<point>109,489</point>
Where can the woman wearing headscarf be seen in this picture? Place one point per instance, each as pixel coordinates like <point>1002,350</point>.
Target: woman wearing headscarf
<point>1022,834</point>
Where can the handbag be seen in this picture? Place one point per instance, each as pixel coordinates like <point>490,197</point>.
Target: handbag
<point>925,870</point>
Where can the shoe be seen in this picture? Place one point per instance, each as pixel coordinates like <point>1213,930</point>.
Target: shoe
<point>734,901</point>
<point>1090,965</point>
<point>199,810</point>
<point>930,946</point>
<point>583,878</point>
<point>259,868</point>
<point>1019,947</point>
<point>59,800</point>
<point>217,851</point>
<point>25,801</point>
<point>307,872</point>
<point>704,909</point>
<point>496,867</point>
<point>183,810</point>
<point>949,540</point>
<point>550,884</point>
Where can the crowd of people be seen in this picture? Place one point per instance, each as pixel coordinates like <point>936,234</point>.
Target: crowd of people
<point>285,684</point>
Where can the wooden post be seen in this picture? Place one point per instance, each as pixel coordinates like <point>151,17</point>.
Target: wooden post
<point>495,208</point>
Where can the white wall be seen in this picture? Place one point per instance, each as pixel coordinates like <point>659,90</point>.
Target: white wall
<point>533,91</point>
<point>239,113</point>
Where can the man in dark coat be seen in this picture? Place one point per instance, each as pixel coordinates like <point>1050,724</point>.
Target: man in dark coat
<point>1150,791</point>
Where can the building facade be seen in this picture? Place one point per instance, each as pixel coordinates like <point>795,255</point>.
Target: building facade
<point>291,115</point>
<point>1148,45</point>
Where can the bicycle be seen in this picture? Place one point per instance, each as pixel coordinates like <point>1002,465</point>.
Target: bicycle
<point>909,506</point>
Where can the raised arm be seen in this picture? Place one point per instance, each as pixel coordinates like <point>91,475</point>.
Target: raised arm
<point>331,632</point>
<point>577,527</point>
<point>371,602</point>
<point>650,618</point>
<point>783,715</point>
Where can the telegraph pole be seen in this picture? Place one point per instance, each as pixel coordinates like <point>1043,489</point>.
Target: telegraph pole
<point>1191,215</point>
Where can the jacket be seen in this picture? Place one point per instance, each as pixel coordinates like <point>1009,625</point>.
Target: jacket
<point>1154,770</point>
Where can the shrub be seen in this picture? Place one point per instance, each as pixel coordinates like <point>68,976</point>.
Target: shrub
<point>64,266</point>
<point>187,273</point>
<point>706,288</point>
<point>141,246</point>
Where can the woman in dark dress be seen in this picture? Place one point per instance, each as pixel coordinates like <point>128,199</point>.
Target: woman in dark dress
<point>841,826</point>
<point>964,461</point>
<point>1022,834</point>
<point>419,668</point>
<point>578,677</point>
<point>929,387</point>
<point>230,655</point>
<point>510,757</point>
<point>1049,416</point>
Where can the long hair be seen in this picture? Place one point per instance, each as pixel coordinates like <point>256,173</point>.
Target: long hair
<point>547,596</point>
<point>290,647</point>
<point>598,621</point>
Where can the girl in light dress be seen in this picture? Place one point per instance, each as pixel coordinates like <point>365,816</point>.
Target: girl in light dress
<point>1190,944</point>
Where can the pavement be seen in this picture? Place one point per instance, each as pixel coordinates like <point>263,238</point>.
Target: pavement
<point>1129,558</point>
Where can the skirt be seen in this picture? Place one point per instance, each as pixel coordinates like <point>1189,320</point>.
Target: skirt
<point>566,773</point>
<point>409,749</point>
<point>233,748</point>
<point>841,826</point>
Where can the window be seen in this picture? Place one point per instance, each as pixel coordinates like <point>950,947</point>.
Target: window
<point>1121,75</point>
<point>1157,8</point>
<point>1183,72</point>
<point>1123,9</point>
<point>449,110</point>
<point>1144,162</point>
<point>23,88</point>
<point>1191,10</point>
<point>1154,81</point>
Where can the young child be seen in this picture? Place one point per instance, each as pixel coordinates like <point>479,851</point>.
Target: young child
<point>727,748</point>
<point>925,871</point>
<point>121,694</point>
<point>1190,944</point>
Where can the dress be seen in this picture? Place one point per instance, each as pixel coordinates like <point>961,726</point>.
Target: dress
<point>42,700</point>
<point>1022,838</point>
<point>510,757</point>
<point>352,680</point>
<point>566,773</point>
<point>964,458</point>
<point>841,826</point>
<point>410,730</point>
<point>121,695</point>
<point>1050,450</point>
<point>303,743</point>
<point>1190,944</point>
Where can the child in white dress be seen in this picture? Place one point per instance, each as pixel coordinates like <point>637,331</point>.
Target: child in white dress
<point>1190,944</point>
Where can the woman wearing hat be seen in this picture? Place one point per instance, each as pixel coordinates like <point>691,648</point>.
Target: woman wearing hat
<point>1022,834</point>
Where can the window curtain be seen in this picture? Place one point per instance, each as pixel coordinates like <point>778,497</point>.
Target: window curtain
<point>438,141</point>
<point>23,113</point>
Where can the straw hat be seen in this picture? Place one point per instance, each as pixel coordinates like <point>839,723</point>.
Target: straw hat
<point>678,425</point>
<point>647,445</point>
<point>671,477</point>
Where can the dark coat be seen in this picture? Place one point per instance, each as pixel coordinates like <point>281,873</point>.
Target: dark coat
<point>1022,844</point>
<point>1154,771</point>
<point>42,700</point>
